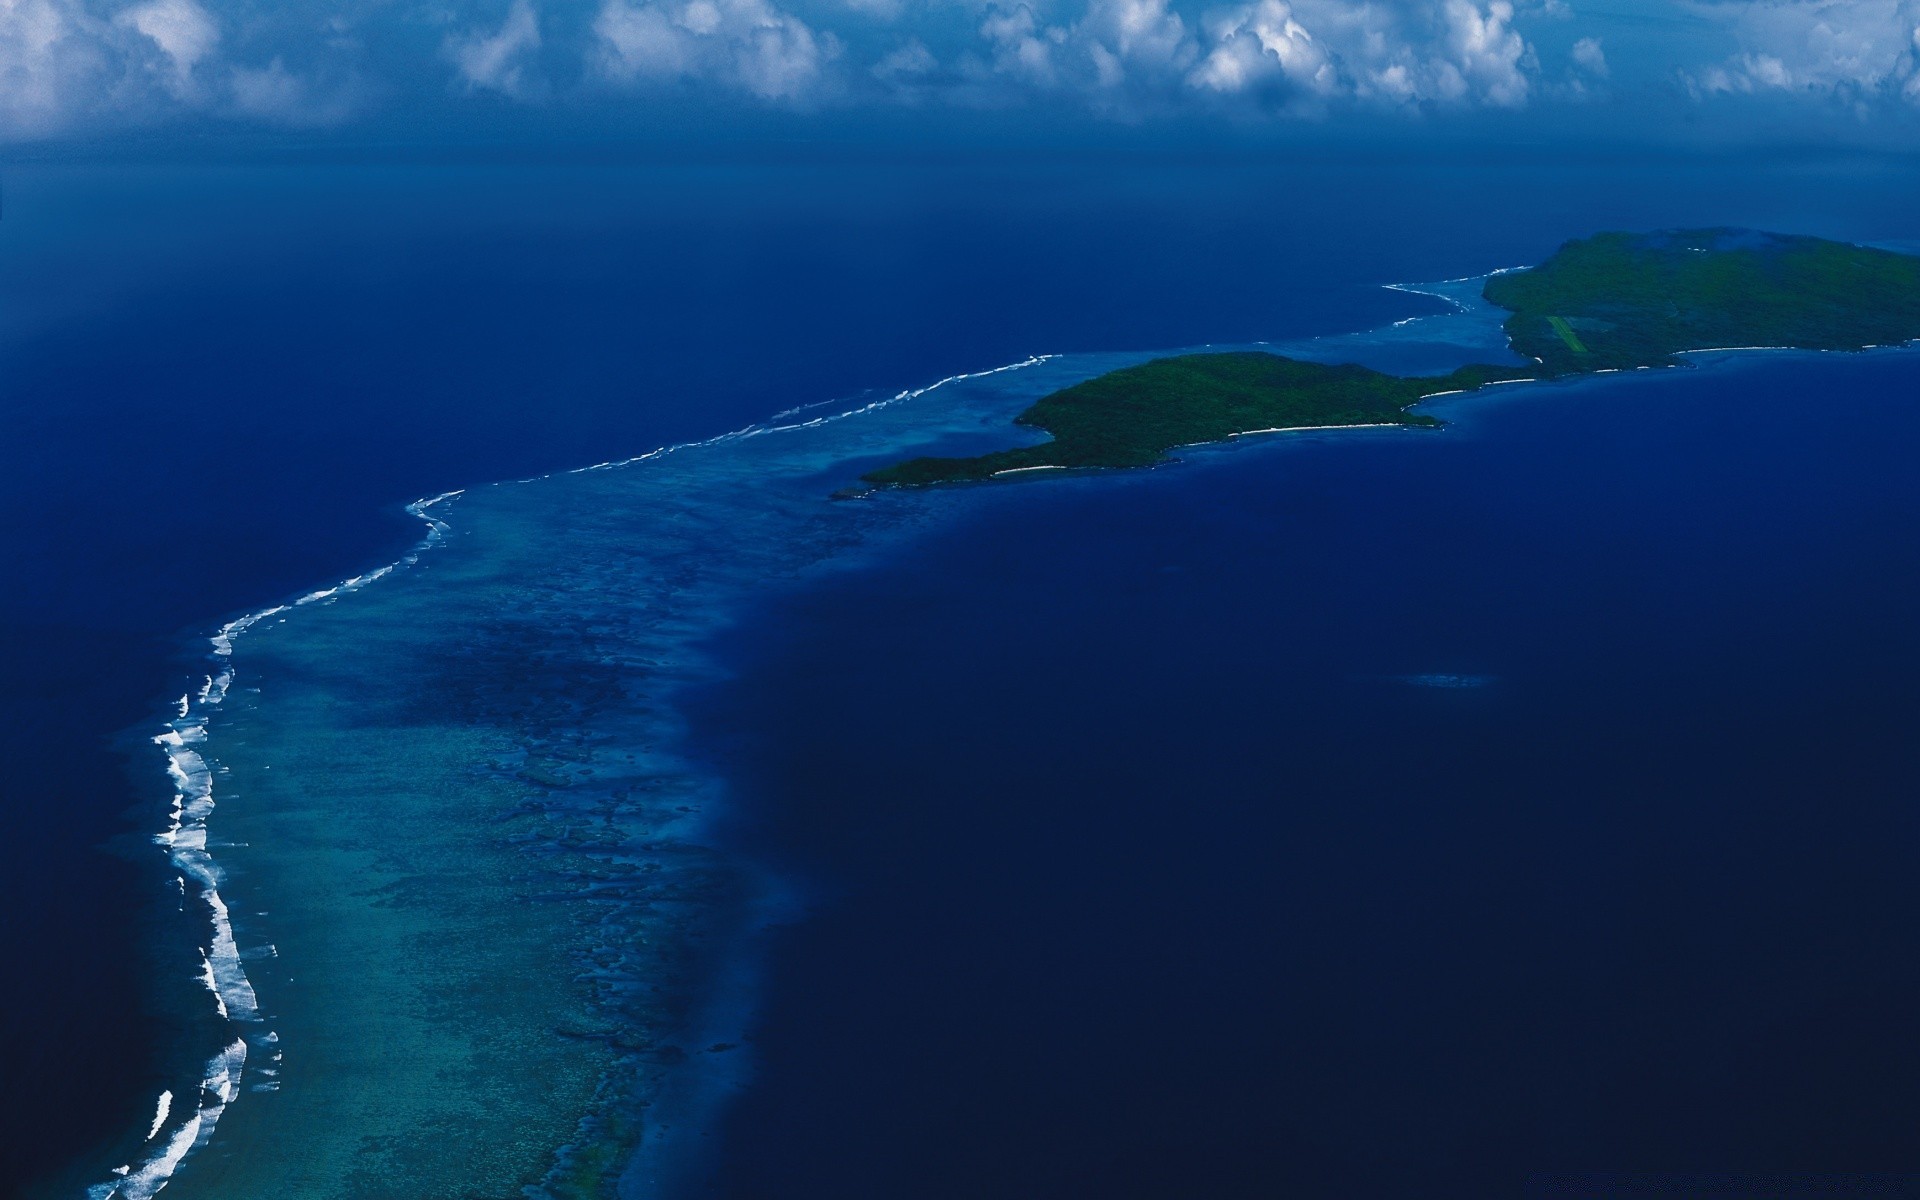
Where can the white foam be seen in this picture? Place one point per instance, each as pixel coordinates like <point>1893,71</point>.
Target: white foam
<point>185,837</point>
<point>1416,290</point>
<point>213,984</point>
<point>1305,429</point>
<point>160,1114</point>
<point>218,1086</point>
<point>814,423</point>
<point>215,690</point>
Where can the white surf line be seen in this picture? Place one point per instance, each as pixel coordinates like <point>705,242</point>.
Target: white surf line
<point>160,1114</point>
<point>185,840</point>
<point>759,429</point>
<point>1489,274</point>
<point>1024,470</point>
<point>186,835</point>
<point>1419,289</point>
<point>1313,428</point>
<point>1416,290</point>
<point>217,1090</point>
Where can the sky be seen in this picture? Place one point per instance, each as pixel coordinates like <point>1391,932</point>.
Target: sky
<point>78,70</point>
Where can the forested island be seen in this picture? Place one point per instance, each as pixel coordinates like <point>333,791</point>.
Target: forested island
<point>1613,301</point>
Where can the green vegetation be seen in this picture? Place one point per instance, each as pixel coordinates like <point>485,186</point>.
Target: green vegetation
<point>1612,301</point>
<point>1132,417</point>
<point>1636,300</point>
<point>1567,335</point>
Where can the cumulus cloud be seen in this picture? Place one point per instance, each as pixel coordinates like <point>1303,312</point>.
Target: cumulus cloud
<point>1022,48</point>
<point>1589,57</point>
<point>1262,45</point>
<point>1854,51</point>
<point>1443,54</point>
<point>1489,54</point>
<point>92,64</point>
<point>275,95</point>
<point>65,70</point>
<point>747,44</point>
<point>909,61</point>
<point>1301,54</point>
<point>183,32</point>
<point>498,61</point>
<point>49,59</point>
<point>1122,36</point>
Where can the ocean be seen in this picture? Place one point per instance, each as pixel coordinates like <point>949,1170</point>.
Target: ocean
<point>1016,859</point>
<point>1359,815</point>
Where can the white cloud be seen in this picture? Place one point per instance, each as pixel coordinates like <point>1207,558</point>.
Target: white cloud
<point>183,31</point>
<point>910,61</point>
<point>1260,45</point>
<point>1022,48</point>
<point>1588,55</point>
<point>1853,51</point>
<point>498,61</point>
<point>1490,55</point>
<point>1451,53</point>
<point>1912,89</point>
<point>747,44</point>
<point>274,94</point>
<point>49,60</point>
<point>88,65</point>
<point>1142,35</point>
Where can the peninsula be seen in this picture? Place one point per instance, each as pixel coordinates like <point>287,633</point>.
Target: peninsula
<point>1613,301</point>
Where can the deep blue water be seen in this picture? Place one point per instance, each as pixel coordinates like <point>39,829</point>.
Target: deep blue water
<point>220,383</point>
<point>1391,815</point>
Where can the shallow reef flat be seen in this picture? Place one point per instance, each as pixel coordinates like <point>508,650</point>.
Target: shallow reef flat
<point>475,871</point>
<point>470,878</point>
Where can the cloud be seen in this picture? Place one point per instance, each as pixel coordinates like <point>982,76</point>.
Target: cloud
<point>49,61</point>
<point>1490,55</point>
<point>910,61</point>
<point>1447,54</point>
<point>1856,52</point>
<point>183,31</point>
<point>746,44</point>
<point>498,61</point>
<point>1022,49</point>
<point>1263,46</point>
<point>275,95</point>
<point>1123,37</point>
<point>1589,57</point>
<point>80,66</point>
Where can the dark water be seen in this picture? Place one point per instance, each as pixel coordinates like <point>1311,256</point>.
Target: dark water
<point>220,383</point>
<point>1387,816</point>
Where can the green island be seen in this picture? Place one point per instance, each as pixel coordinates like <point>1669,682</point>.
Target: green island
<point>1614,301</point>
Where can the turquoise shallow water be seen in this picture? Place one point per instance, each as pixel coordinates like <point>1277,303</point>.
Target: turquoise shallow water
<point>482,935</point>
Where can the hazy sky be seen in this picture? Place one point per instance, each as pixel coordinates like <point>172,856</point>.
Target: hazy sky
<point>1651,69</point>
